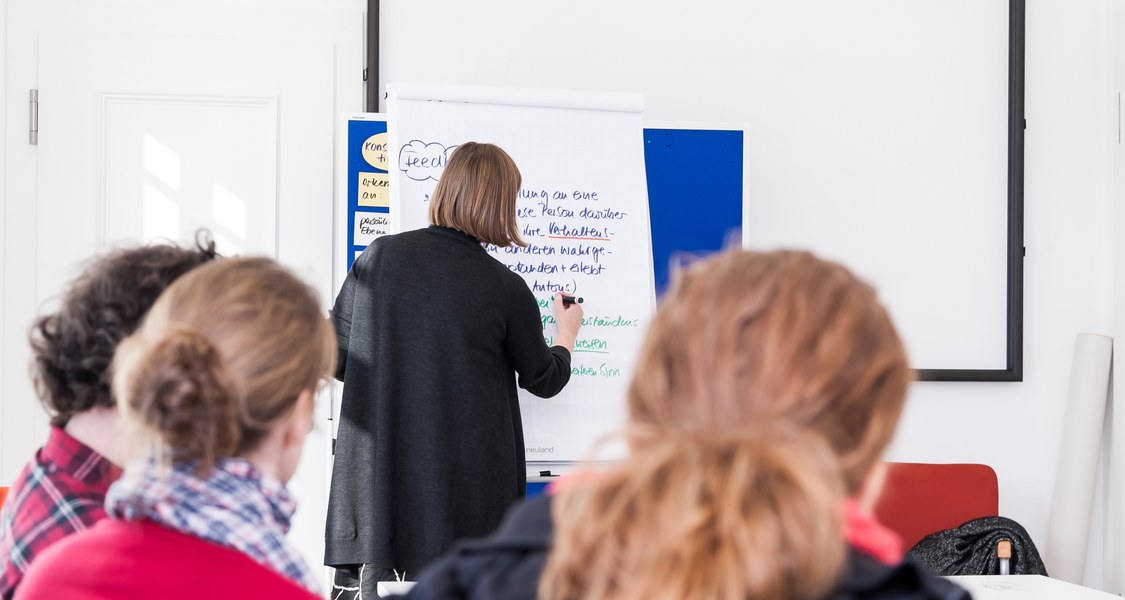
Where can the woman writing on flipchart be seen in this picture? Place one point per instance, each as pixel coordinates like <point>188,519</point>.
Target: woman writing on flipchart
<point>433,332</point>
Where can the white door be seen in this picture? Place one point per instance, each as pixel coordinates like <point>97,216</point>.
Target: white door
<point>156,118</point>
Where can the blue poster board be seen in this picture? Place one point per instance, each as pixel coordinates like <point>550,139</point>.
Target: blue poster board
<point>368,211</point>
<point>695,193</point>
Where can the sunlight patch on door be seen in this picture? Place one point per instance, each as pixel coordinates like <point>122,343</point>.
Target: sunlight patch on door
<point>161,162</point>
<point>160,215</point>
<point>229,213</point>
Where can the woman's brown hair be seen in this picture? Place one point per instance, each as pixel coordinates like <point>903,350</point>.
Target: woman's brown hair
<point>477,194</point>
<point>221,359</point>
<point>766,391</point>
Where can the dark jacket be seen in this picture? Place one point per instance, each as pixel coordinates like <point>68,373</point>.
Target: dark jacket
<point>432,333</point>
<point>507,566</point>
<point>971,549</point>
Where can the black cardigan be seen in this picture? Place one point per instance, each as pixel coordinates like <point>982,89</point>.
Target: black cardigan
<point>508,564</point>
<point>432,332</point>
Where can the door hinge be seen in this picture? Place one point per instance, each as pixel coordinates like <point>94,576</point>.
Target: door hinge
<point>365,73</point>
<point>33,118</point>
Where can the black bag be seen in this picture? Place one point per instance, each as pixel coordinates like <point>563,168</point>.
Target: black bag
<point>971,549</point>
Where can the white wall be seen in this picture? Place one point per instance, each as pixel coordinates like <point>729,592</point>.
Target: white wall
<point>1015,427</point>
<point>3,203</point>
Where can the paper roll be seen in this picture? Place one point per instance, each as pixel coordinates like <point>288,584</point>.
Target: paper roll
<point>1068,531</point>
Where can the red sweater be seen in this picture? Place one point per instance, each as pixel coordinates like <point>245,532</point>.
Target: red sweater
<point>126,560</point>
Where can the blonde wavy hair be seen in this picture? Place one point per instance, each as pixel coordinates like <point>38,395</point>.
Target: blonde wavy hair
<point>766,391</point>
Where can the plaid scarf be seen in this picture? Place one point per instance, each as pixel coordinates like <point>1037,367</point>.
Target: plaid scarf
<point>236,506</point>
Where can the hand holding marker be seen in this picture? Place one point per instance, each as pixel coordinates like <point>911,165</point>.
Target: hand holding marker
<point>568,300</point>
<point>568,319</point>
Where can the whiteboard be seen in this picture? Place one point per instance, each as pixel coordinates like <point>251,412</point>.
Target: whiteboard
<point>873,138</point>
<point>583,211</point>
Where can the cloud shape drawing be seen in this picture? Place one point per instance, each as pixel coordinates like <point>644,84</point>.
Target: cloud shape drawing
<point>423,160</point>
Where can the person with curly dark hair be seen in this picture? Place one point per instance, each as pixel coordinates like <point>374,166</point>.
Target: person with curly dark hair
<point>62,489</point>
<point>216,390</point>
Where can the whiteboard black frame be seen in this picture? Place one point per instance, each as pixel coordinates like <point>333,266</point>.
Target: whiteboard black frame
<point>1017,123</point>
<point>1016,126</point>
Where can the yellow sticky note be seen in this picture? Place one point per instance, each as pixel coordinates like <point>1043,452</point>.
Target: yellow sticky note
<point>375,151</point>
<point>374,189</point>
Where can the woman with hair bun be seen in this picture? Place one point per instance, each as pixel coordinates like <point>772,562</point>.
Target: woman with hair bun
<point>216,389</point>
<point>767,389</point>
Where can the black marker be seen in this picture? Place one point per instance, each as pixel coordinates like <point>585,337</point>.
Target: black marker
<point>567,300</point>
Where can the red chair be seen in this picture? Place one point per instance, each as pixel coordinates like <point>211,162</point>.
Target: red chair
<point>919,499</point>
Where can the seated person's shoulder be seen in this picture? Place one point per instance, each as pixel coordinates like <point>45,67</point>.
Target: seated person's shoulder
<point>867,578</point>
<point>45,506</point>
<point>128,559</point>
<point>506,564</point>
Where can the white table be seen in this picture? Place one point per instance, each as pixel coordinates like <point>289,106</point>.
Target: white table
<point>982,587</point>
<point>1030,587</point>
